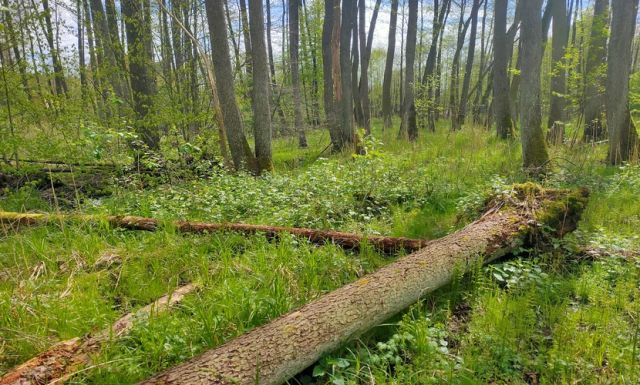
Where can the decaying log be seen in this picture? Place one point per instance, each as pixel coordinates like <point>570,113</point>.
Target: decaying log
<point>61,360</point>
<point>345,240</point>
<point>273,353</point>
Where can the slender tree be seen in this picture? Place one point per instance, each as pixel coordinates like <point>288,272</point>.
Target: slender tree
<point>331,8</point>
<point>466,83</point>
<point>241,153</point>
<point>408,125</point>
<point>59,79</point>
<point>388,68</point>
<point>348,17</point>
<point>501,99</point>
<point>261,109</point>
<point>294,46</point>
<point>534,151</point>
<point>595,72</point>
<point>365,48</point>
<point>143,83</point>
<point>623,137</point>
<point>558,74</point>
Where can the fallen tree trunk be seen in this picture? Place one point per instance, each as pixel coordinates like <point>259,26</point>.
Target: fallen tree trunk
<point>61,361</point>
<point>345,240</point>
<point>273,353</point>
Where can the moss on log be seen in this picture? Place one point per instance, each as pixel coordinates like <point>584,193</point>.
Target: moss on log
<point>275,352</point>
<point>345,240</point>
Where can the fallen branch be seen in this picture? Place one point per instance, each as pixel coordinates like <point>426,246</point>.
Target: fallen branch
<point>345,240</point>
<point>61,361</point>
<point>273,353</point>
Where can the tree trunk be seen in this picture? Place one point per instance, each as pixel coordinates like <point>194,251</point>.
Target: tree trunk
<point>466,83</point>
<point>261,105</point>
<point>143,81</point>
<point>623,138</point>
<point>294,46</point>
<point>408,126</point>
<point>454,107</point>
<point>345,240</point>
<point>63,359</point>
<point>558,73</point>
<point>241,153</point>
<point>330,107</point>
<point>364,63</point>
<point>347,132</point>
<point>59,80</point>
<point>501,99</point>
<point>429,77</point>
<point>248,46</point>
<point>595,72</point>
<point>534,151</point>
<point>388,68</point>
<point>107,64</point>
<point>272,353</point>
<point>20,60</point>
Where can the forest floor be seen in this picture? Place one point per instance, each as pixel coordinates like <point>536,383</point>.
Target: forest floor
<point>550,316</point>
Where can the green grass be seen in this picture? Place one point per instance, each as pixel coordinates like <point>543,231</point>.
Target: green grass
<point>546,317</point>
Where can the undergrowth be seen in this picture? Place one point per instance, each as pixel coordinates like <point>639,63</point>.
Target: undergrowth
<point>543,317</point>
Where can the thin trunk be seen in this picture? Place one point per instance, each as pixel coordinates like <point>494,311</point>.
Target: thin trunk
<point>558,73</point>
<point>347,137</point>
<point>330,9</point>
<point>408,126</point>
<point>59,80</point>
<point>364,64</point>
<point>501,99</point>
<point>294,45</point>
<point>595,72</point>
<point>261,105</point>
<point>248,48</point>
<point>534,151</point>
<point>466,83</point>
<point>388,68</point>
<point>241,153</point>
<point>143,81</point>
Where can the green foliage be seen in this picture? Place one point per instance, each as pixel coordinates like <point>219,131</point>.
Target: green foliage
<point>546,316</point>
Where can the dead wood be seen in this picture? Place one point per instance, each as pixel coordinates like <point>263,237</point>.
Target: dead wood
<point>346,240</point>
<point>61,361</point>
<point>273,353</point>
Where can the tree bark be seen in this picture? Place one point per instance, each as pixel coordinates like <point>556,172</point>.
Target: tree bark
<point>501,99</point>
<point>59,79</point>
<point>429,77</point>
<point>329,98</point>
<point>11,220</point>
<point>294,47</point>
<point>241,153</point>
<point>623,137</point>
<point>595,72</point>
<point>248,44</point>
<point>272,353</point>
<point>388,67</point>
<point>261,105</point>
<point>534,151</point>
<point>62,360</point>
<point>408,126</point>
<point>558,73</point>
<point>143,81</point>
<point>364,64</point>
<point>347,132</point>
<point>466,83</point>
